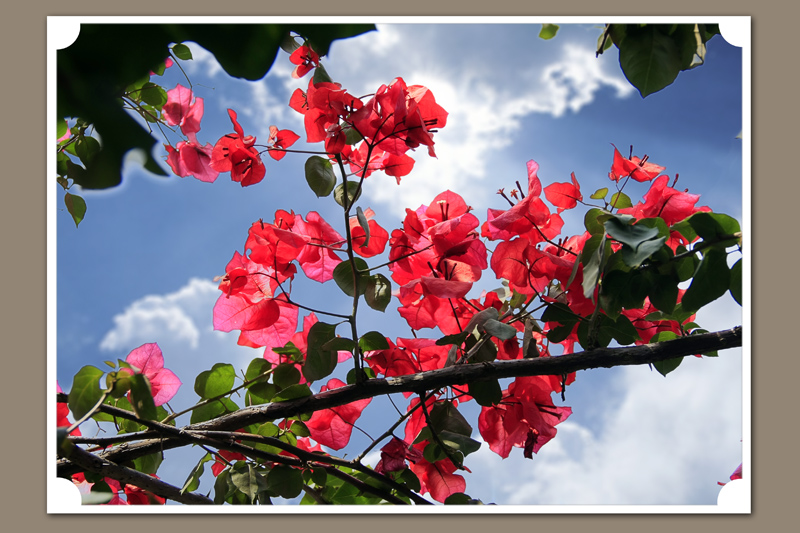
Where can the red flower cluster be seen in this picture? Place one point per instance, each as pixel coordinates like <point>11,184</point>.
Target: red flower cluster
<point>396,119</point>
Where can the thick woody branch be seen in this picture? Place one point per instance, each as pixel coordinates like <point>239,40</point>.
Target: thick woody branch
<point>435,379</point>
<point>128,476</point>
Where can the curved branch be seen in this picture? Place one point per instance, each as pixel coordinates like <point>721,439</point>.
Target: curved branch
<point>434,379</point>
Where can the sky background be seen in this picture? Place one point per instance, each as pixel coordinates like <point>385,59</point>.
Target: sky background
<point>140,267</point>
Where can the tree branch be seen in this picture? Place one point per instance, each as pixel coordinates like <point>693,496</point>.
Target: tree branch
<point>128,476</point>
<point>431,380</point>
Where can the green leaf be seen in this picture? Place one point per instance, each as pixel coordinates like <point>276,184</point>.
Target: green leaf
<point>148,464</point>
<point>321,75</point>
<point>320,362</point>
<point>285,481</point>
<point>593,223</point>
<point>291,351</point>
<point>620,200</point>
<point>193,481</point>
<point>247,479</point>
<point>715,226</point>
<point>649,59</point>
<point>667,366</point>
<point>367,372</point>
<point>736,281</point>
<point>76,207</point>
<point>595,250</point>
<point>260,393</point>
<point>351,136</point>
<point>142,398</point>
<point>61,128</point>
<point>378,292</point>
<point>285,375</point>
<point>343,276</point>
<point>599,194</point>
<point>320,176</point>
<point>639,241</point>
<point>87,149</point>
<point>256,368</point>
<point>213,410</point>
<point>712,280</point>
<point>364,223</point>
<point>182,52</point>
<point>548,31</point>
<point>499,329</point>
<point>85,392</point>
<point>339,344</point>
<point>459,442</point>
<point>292,392</point>
<point>154,95</point>
<point>445,417</point>
<point>215,382</point>
<point>373,340</point>
<point>352,187</point>
<point>486,393</point>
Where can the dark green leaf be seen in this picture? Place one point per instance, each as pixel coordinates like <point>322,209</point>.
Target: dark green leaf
<point>193,481</point>
<point>182,52</point>
<point>247,479</point>
<point>286,375</point>
<point>292,393</point>
<point>76,207</point>
<point>260,393</point>
<point>213,410</point>
<point>378,292</point>
<point>486,393</point>
<point>285,481</point>
<point>87,149</point>
<point>339,344</point>
<point>373,340</point>
<point>352,187</point>
<point>320,176</point>
<point>712,280</point>
<point>319,362</point>
<point>148,464</point>
<point>366,372</point>
<point>649,59</point>
<point>343,276</point>
<point>667,366</point>
<point>459,442</point>
<point>736,281</point>
<point>85,392</point>
<point>364,223</point>
<point>215,382</point>
<point>257,368</point>
<point>500,330</point>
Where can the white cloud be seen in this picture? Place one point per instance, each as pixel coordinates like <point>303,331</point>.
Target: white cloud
<point>202,61</point>
<point>152,317</point>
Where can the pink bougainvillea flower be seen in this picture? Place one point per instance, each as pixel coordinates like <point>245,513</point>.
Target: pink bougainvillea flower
<point>438,478</point>
<point>737,474</point>
<point>394,455</point>
<point>564,195</point>
<point>190,158</point>
<point>147,358</point>
<point>280,141</point>
<point>181,111</point>
<point>306,60</point>
<point>333,427</point>
<point>235,153</point>
<point>62,411</point>
<point>638,169</point>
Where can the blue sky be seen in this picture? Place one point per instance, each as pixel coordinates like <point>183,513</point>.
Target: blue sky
<point>140,267</point>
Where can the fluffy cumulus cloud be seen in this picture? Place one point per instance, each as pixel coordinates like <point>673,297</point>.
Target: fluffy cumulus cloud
<point>173,315</point>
